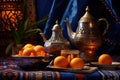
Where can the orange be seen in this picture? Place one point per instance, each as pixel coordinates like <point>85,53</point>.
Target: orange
<point>42,53</point>
<point>20,53</point>
<point>39,48</point>
<point>28,51</point>
<point>70,57</point>
<point>60,61</point>
<point>28,46</point>
<point>105,59</point>
<point>32,54</point>
<point>77,63</point>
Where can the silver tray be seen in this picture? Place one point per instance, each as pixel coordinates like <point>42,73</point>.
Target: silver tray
<point>86,69</point>
<point>113,66</point>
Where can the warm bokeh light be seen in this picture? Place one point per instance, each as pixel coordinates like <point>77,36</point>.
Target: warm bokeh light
<point>9,9</point>
<point>10,15</point>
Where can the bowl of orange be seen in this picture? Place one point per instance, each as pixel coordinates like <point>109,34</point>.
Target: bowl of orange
<point>32,63</point>
<point>32,57</point>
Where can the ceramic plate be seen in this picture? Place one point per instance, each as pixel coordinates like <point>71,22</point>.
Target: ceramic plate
<point>114,65</point>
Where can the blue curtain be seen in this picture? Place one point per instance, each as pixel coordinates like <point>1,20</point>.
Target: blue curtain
<point>73,10</point>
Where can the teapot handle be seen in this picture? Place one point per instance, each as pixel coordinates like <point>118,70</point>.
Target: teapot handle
<point>107,25</point>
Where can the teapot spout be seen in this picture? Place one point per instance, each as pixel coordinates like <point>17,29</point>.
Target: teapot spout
<point>43,36</point>
<point>70,32</point>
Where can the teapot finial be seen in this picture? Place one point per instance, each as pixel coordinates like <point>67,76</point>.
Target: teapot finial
<point>87,17</point>
<point>56,22</point>
<point>87,9</point>
<point>56,27</point>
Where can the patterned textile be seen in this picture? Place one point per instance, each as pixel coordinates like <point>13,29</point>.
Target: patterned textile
<point>10,71</point>
<point>11,74</point>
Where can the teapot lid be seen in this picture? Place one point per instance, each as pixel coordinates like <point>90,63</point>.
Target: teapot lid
<point>87,17</point>
<point>56,26</point>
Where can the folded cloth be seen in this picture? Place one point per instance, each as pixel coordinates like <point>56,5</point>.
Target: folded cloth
<point>110,75</point>
<point>93,76</point>
<point>71,76</point>
<point>11,74</point>
<point>104,75</point>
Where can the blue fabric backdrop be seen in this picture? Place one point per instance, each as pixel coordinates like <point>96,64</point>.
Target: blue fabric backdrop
<point>73,10</point>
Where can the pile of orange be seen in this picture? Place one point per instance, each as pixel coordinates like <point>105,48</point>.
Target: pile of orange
<point>63,62</point>
<point>32,50</point>
<point>105,59</point>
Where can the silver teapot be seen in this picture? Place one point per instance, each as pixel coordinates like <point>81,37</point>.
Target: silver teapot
<point>57,42</point>
<point>87,37</point>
